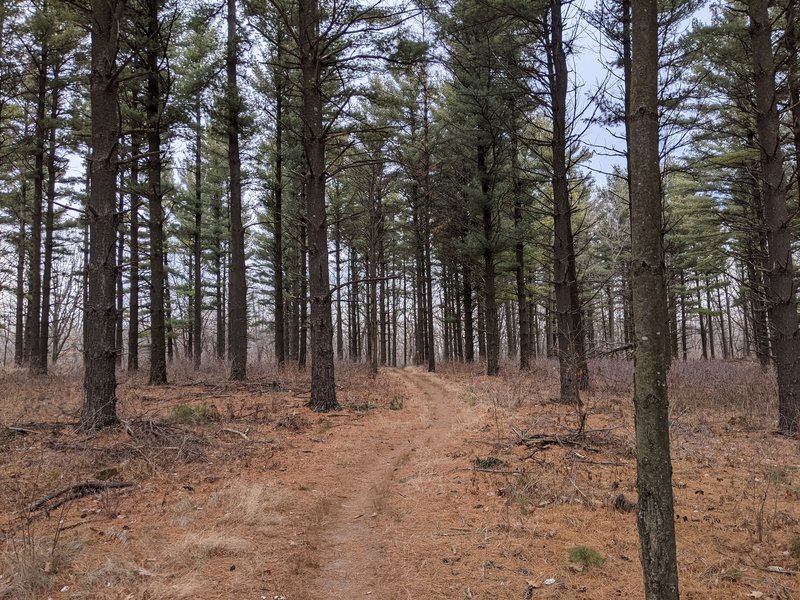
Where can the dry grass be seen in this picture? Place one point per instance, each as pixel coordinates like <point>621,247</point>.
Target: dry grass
<point>29,565</point>
<point>736,485</point>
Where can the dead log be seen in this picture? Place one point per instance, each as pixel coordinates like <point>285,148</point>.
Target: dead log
<point>72,492</point>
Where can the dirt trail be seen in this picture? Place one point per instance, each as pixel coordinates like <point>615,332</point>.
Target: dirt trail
<point>353,542</point>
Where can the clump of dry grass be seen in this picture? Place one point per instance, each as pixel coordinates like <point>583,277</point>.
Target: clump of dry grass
<point>196,548</point>
<point>115,571</point>
<point>256,506</point>
<point>29,565</point>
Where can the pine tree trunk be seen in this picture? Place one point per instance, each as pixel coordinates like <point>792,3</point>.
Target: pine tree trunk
<point>723,337</point>
<point>353,302</point>
<point>489,291</point>
<point>100,381</point>
<point>133,246</point>
<point>120,329</point>
<point>420,338</point>
<point>656,516</point>
<point>294,333</point>
<point>519,253</point>
<point>323,384</point>
<point>430,342</point>
<point>469,335</point>
<point>19,311</point>
<point>511,335</point>
<point>219,273</point>
<point>458,324</point>
<point>684,336</point>
<point>372,273</point>
<point>197,245</point>
<point>383,299</point>
<point>673,324</point>
<point>562,239</point>
<point>237,301</point>
<point>780,286</point>
<point>338,257</point>
<point>703,337</point>
<point>35,268</point>
<point>710,320</point>
<point>49,225</point>
<point>302,347</point>
<point>731,351</point>
<point>277,212</point>
<point>793,80</point>
<point>169,333</point>
<point>158,361</point>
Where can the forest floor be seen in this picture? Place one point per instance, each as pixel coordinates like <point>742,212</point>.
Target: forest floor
<point>447,485</point>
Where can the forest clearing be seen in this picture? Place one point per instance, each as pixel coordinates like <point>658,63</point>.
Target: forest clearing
<point>420,487</point>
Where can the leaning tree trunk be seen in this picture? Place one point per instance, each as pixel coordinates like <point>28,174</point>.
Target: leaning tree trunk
<point>237,302</point>
<point>100,380</point>
<point>656,517</point>
<point>780,285</point>
<point>323,383</point>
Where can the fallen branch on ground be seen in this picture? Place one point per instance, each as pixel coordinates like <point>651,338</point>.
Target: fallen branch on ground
<point>21,430</point>
<point>241,433</point>
<point>72,492</point>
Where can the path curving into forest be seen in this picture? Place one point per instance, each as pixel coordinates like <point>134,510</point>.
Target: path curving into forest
<point>354,542</point>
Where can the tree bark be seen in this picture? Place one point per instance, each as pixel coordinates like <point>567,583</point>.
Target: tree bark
<point>655,517</point>
<point>19,321</point>
<point>277,211</point>
<point>489,278</point>
<point>519,255</point>
<point>133,248</point>
<point>302,303</point>
<point>703,337</point>
<point>237,301</point>
<point>169,329</point>
<point>35,267</point>
<point>219,284</point>
<point>426,170</point>
<point>562,239</point>
<point>158,360</point>
<point>372,269</point>
<point>469,335</point>
<point>197,246</point>
<point>780,286</point>
<point>793,80</point>
<point>338,255</point>
<point>120,287</point>
<point>49,225</point>
<point>100,381</point>
<point>323,384</point>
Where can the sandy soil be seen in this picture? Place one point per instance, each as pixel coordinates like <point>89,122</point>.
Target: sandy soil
<point>419,489</point>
